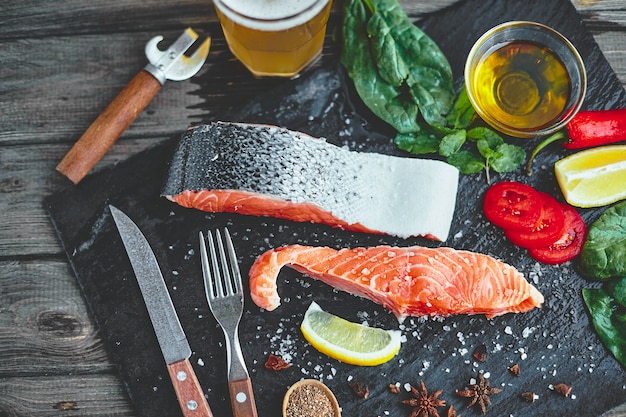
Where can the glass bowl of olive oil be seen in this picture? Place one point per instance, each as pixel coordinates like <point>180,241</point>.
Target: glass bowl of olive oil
<point>525,79</point>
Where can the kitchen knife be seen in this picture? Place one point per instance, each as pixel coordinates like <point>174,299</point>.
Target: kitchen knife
<point>169,332</point>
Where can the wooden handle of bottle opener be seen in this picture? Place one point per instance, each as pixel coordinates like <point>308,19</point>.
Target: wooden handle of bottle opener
<point>109,126</point>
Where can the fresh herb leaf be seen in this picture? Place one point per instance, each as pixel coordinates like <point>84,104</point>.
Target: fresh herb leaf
<point>467,162</point>
<point>500,156</point>
<point>507,158</point>
<point>492,138</point>
<point>486,149</point>
<point>451,143</point>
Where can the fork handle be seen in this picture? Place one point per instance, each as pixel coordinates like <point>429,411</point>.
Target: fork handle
<point>188,391</point>
<point>242,398</point>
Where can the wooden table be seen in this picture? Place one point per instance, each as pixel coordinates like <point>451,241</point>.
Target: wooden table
<point>62,62</point>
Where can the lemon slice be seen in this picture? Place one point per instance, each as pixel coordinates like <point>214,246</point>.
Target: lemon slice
<point>594,177</point>
<point>348,342</point>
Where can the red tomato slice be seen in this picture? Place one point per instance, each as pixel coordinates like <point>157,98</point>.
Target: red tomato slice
<point>569,245</point>
<point>548,229</point>
<point>513,205</point>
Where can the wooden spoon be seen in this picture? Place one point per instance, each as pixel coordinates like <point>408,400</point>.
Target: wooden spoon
<point>312,383</point>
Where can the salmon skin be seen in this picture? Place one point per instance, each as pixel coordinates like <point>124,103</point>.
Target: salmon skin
<point>409,281</point>
<point>269,171</point>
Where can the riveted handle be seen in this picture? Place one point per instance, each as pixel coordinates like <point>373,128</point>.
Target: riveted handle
<point>242,398</point>
<point>109,126</point>
<point>188,390</point>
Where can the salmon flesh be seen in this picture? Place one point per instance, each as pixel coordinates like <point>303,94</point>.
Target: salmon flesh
<point>409,281</point>
<point>265,170</point>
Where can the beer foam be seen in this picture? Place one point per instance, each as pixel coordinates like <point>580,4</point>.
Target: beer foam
<point>270,14</point>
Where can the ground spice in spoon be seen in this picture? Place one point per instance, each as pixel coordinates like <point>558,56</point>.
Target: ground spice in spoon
<point>309,401</point>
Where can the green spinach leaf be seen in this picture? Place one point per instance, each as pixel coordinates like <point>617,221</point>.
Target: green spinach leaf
<point>382,98</point>
<point>417,143</point>
<point>604,258</point>
<point>397,70</point>
<point>609,321</point>
<point>463,113</point>
<point>617,289</point>
<point>604,253</point>
<point>430,74</point>
<point>389,62</point>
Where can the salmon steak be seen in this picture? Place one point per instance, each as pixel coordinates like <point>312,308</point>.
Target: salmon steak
<point>265,170</point>
<point>409,281</point>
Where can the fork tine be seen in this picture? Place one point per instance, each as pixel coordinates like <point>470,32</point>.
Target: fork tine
<point>206,269</point>
<point>222,271</point>
<point>227,288</point>
<point>219,281</point>
<point>234,266</point>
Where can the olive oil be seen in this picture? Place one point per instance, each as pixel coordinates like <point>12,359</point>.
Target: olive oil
<point>522,85</point>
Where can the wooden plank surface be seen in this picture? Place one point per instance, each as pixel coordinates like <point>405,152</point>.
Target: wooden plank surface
<point>62,62</point>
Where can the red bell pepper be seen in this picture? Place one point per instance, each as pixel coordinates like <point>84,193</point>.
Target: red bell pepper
<point>587,129</point>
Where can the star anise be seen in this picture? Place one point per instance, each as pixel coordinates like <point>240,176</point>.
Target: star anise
<point>479,393</point>
<point>563,389</point>
<point>359,389</point>
<point>452,413</point>
<point>424,405</point>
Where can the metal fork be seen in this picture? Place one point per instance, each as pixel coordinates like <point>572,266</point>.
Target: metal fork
<point>222,284</point>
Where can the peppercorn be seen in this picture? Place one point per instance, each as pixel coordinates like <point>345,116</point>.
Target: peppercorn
<point>309,401</point>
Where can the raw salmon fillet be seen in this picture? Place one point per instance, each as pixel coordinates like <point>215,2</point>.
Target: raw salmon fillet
<point>410,281</point>
<point>269,171</point>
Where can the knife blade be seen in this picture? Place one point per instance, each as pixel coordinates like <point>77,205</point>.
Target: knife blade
<point>169,332</point>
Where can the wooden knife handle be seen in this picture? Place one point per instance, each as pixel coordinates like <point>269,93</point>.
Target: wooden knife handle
<point>242,398</point>
<point>188,390</point>
<point>109,126</point>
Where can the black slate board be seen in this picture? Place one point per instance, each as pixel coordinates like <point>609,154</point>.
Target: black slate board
<point>552,345</point>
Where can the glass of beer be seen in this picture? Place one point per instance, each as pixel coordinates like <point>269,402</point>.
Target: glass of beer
<point>525,79</point>
<point>274,38</point>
